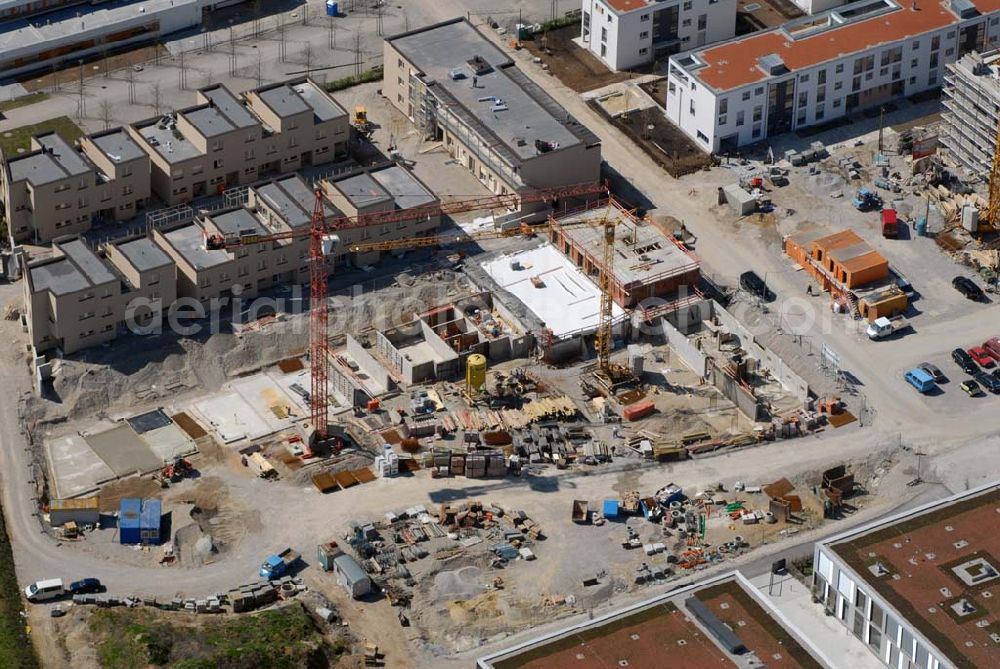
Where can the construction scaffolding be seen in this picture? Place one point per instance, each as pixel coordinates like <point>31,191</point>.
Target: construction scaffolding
<point>971,101</point>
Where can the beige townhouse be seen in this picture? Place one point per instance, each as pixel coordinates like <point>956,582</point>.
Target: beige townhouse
<point>458,88</point>
<point>57,189</point>
<point>225,141</point>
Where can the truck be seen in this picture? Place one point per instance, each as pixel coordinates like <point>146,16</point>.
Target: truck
<point>581,511</point>
<point>276,565</point>
<point>890,229</point>
<point>882,327</point>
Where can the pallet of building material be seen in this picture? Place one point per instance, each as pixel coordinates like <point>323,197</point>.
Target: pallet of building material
<point>345,480</point>
<point>324,482</point>
<point>363,475</point>
<point>705,447</point>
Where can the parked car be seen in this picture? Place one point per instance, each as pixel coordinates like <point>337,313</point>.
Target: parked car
<point>85,586</point>
<point>753,284</point>
<point>989,382</point>
<point>935,373</point>
<point>971,388</point>
<point>40,591</point>
<point>992,347</point>
<point>920,380</point>
<point>967,287</point>
<point>964,360</point>
<point>981,356</point>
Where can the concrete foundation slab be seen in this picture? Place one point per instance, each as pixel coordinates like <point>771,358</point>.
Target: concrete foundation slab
<point>75,468</point>
<point>169,442</point>
<point>123,450</point>
<point>232,418</point>
<point>269,401</point>
<point>301,379</point>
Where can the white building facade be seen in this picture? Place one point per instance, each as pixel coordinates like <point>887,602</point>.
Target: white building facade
<point>625,34</point>
<point>814,70</point>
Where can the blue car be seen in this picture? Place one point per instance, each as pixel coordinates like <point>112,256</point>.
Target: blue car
<point>920,379</point>
<point>85,586</point>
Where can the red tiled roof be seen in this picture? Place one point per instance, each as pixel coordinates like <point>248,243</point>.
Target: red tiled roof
<point>626,5</point>
<point>734,64</point>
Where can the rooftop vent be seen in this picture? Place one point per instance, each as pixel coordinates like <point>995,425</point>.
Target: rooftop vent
<point>544,147</point>
<point>772,63</point>
<point>964,8</point>
<point>479,65</point>
<point>456,74</point>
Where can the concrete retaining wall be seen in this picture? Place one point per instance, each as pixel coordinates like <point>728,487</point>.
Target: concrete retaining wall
<point>683,347</point>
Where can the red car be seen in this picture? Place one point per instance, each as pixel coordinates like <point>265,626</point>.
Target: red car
<point>981,356</point>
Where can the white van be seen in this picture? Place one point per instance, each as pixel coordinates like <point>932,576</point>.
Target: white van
<point>39,591</point>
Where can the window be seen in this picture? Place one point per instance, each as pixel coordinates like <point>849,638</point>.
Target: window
<point>399,63</point>
<point>758,91</point>
<point>915,46</point>
<point>63,205</point>
<point>932,78</point>
<point>934,61</point>
<point>217,145</point>
<point>644,17</point>
<point>126,171</point>
<point>126,190</point>
<point>935,43</point>
<point>758,113</point>
<point>856,84</point>
<point>912,81</point>
<point>197,169</point>
<point>739,118</point>
<point>804,78</point>
<point>249,155</point>
<point>217,164</point>
<point>821,77</point>
<point>643,51</point>
<point>948,52</point>
<point>915,62</point>
<point>837,85</point>
<point>691,107</point>
<point>820,95</point>
<point>820,112</point>
<point>746,95</point>
<point>604,34</point>
<point>883,71</point>
<point>950,35</point>
<point>61,188</point>
<point>723,105</point>
<point>801,120</point>
<point>686,23</point>
<point>644,34</point>
<point>702,21</point>
<point>687,5</point>
<point>839,69</point>
<point>722,120</point>
<point>756,132</point>
<point>702,137</point>
<point>803,99</point>
<point>671,88</point>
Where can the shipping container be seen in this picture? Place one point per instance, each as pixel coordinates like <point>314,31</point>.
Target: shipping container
<point>638,410</point>
<point>129,511</point>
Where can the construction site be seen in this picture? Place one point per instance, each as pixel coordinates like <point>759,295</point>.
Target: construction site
<point>505,376</point>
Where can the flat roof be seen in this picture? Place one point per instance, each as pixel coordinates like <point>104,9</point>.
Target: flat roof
<point>566,300</point>
<point>208,120</point>
<point>528,113</point>
<point>626,5</point>
<point>144,254</point>
<point>830,35</point>
<point>283,101</point>
<point>117,145</point>
<point>189,242</point>
<point>31,33</point>
<point>78,268</point>
<point>90,264</point>
<point>405,189</point>
<point>324,107</point>
<point>718,622</point>
<point>237,222</point>
<point>174,148</point>
<point>293,200</point>
<point>938,566</point>
<point>230,106</point>
<point>56,160</point>
<point>362,190</point>
<point>643,254</point>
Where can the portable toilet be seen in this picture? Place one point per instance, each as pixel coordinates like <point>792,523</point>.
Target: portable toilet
<point>332,8</point>
<point>129,511</point>
<point>610,508</point>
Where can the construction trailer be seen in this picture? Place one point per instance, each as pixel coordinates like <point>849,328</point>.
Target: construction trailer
<point>350,575</point>
<point>82,511</point>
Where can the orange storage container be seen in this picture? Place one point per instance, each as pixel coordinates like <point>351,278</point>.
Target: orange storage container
<point>638,410</point>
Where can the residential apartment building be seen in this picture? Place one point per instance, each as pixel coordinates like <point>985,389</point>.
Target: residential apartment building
<point>224,141</point>
<point>817,69</point>
<point>625,34</point>
<point>971,113</point>
<point>79,297</point>
<point>56,189</point>
<point>915,587</point>
<point>460,89</point>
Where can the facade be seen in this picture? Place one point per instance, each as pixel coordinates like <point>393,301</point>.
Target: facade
<point>224,141</point>
<point>56,189</point>
<point>820,68</point>
<point>80,297</point>
<point>625,34</point>
<point>971,111</point>
<point>720,621</point>
<point>915,587</point>
<point>29,44</point>
<point>458,88</point>
<point>841,260</point>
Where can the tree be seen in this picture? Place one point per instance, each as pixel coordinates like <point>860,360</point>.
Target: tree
<point>106,114</point>
<point>157,99</point>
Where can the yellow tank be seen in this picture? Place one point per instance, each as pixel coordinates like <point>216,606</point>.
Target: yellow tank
<point>475,371</point>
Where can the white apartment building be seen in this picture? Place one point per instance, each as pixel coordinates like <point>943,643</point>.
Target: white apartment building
<point>815,69</point>
<point>915,588</point>
<point>628,33</point>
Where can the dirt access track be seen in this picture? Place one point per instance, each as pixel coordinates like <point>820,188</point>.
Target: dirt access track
<point>576,67</point>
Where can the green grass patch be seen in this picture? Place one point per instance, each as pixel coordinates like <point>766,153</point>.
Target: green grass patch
<point>20,138</point>
<point>368,76</point>
<point>284,638</point>
<point>16,650</point>
<point>24,101</point>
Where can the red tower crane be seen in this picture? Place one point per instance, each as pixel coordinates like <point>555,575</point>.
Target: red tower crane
<point>321,230</point>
